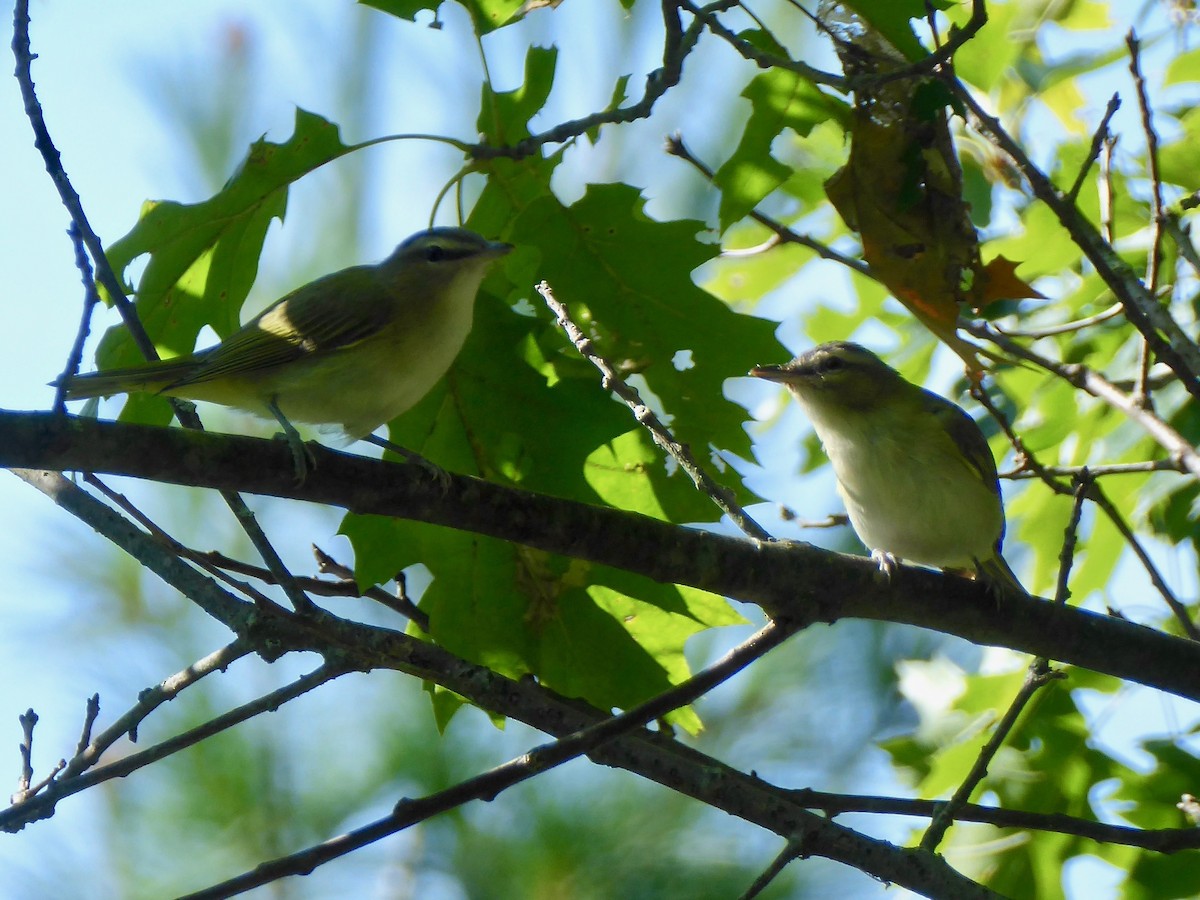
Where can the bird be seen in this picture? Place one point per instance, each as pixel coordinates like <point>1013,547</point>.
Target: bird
<point>350,350</point>
<point>914,470</point>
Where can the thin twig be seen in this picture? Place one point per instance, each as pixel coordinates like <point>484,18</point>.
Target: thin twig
<point>1166,840</point>
<point>42,805</point>
<point>1156,199</point>
<point>237,615</point>
<point>348,586</point>
<point>1141,394</point>
<point>720,495</point>
<point>219,565</point>
<point>1082,485</point>
<point>791,851</point>
<point>946,812</point>
<point>28,720</point>
<point>1169,464</point>
<point>91,714</point>
<point>1038,675</point>
<point>1182,239</point>
<point>1166,337</point>
<point>1098,139</point>
<point>488,785</point>
<point>764,59</point>
<point>675,147</point>
<point>183,411</point>
<point>179,549</point>
<point>1179,610</point>
<point>677,44</point>
<point>1099,387</point>
<point>1106,195</point>
<point>1066,327</point>
<point>91,297</point>
<point>1096,494</point>
<point>151,699</point>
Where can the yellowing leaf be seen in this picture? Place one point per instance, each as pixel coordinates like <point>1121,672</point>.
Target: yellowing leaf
<point>999,281</point>
<point>902,191</point>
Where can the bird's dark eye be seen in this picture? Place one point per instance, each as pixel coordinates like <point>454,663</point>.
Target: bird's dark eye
<point>435,253</point>
<point>833,364</point>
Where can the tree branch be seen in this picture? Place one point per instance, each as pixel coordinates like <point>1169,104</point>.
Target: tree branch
<point>1164,335</point>
<point>790,580</point>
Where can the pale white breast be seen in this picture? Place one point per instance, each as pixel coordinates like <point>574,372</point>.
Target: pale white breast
<point>910,507</point>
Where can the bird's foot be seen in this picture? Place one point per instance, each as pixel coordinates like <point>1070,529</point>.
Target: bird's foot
<point>303,460</point>
<point>888,564</point>
<point>432,469</point>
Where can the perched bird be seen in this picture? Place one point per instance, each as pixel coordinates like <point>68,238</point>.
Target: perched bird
<point>353,349</point>
<point>914,470</point>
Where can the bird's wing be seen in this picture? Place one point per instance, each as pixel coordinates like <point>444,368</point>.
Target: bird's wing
<point>966,434</point>
<point>328,314</point>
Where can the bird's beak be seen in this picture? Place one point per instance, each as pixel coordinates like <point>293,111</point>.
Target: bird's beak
<point>770,373</point>
<point>499,248</point>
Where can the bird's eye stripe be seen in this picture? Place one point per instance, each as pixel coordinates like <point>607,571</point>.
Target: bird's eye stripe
<point>442,253</point>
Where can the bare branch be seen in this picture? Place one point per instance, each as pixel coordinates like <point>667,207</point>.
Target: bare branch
<point>1156,199</point>
<point>151,699</point>
<point>28,721</point>
<point>794,580</point>
<point>1154,465</point>
<point>42,805</point>
<point>1098,140</point>
<point>792,850</point>
<point>1166,840</point>
<point>90,298</point>
<point>488,785</point>
<point>89,720</point>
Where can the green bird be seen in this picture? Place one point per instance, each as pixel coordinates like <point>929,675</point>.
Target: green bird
<point>351,350</point>
<point>915,472</point>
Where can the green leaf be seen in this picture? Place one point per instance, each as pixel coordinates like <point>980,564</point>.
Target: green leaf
<point>891,18</point>
<point>990,54</point>
<point>487,15</point>
<point>628,281</point>
<point>504,116</point>
<point>1184,68</point>
<point>402,9</point>
<point>203,257</point>
<point>779,99</point>
<point>586,631</point>
<point>1085,15</point>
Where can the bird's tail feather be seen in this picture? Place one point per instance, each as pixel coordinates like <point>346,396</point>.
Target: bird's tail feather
<point>996,572</point>
<point>151,378</point>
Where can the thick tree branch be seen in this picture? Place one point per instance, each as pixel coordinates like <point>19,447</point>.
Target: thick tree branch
<point>790,580</point>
